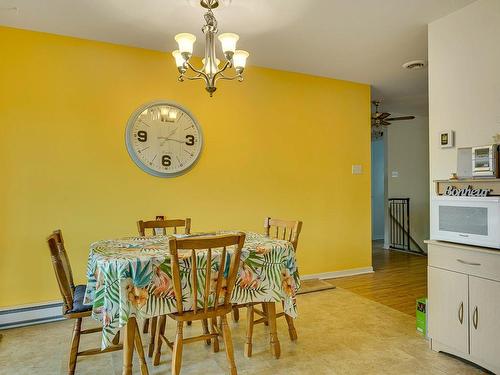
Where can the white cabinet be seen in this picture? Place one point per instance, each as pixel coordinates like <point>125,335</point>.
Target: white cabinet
<point>448,307</point>
<point>484,304</point>
<point>464,302</point>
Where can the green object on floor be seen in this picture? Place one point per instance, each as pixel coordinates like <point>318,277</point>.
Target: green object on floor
<point>422,315</point>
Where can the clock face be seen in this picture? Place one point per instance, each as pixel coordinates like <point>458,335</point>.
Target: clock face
<point>163,139</point>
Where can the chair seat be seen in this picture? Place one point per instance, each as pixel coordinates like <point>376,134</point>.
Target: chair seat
<point>78,306</point>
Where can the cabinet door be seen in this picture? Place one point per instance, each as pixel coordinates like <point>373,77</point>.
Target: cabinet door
<point>448,308</point>
<point>484,296</point>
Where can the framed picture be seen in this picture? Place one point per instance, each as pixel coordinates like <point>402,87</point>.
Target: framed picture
<point>447,139</point>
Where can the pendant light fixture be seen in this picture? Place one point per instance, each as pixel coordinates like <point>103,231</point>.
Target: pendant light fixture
<point>211,71</point>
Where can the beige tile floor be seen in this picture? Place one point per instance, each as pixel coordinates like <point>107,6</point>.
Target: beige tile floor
<point>339,333</point>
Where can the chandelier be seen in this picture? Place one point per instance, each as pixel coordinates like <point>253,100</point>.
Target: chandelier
<point>212,71</point>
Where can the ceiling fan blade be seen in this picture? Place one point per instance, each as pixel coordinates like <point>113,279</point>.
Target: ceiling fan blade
<point>384,115</point>
<point>401,118</point>
<point>385,123</point>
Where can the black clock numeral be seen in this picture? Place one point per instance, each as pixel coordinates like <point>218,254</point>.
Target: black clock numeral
<point>142,136</point>
<point>190,140</point>
<point>166,161</point>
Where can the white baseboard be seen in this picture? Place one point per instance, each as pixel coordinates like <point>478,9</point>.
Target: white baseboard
<point>336,274</point>
<point>30,314</point>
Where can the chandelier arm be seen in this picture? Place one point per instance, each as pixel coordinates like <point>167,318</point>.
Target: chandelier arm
<point>220,71</point>
<point>199,72</point>
<point>223,77</point>
<point>195,78</point>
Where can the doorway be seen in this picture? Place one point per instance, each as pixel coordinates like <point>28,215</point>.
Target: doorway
<point>378,189</point>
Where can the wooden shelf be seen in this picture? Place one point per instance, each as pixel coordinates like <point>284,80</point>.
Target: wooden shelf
<point>476,183</point>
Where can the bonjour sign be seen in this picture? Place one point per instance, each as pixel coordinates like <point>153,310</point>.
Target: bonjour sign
<point>466,192</point>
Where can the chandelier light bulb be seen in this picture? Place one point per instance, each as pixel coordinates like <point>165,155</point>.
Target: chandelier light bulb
<point>240,60</point>
<point>185,42</point>
<point>228,42</point>
<point>214,67</point>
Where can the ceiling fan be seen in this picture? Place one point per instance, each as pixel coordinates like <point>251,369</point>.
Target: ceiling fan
<point>380,119</point>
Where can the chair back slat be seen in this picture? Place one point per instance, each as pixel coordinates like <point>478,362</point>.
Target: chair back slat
<point>165,224</point>
<point>61,265</point>
<point>218,283</point>
<point>64,257</point>
<point>194,273</point>
<point>208,279</point>
<point>293,227</point>
<point>222,268</point>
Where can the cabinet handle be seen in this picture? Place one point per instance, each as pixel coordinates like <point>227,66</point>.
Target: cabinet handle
<point>475,317</point>
<point>461,313</point>
<point>468,263</point>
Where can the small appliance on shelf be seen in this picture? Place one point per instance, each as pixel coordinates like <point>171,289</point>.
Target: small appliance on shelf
<point>470,220</point>
<point>485,161</point>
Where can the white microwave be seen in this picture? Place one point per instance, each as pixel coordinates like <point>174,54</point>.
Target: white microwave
<point>467,220</point>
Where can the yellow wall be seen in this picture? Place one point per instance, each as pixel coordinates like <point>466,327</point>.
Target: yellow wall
<point>279,144</point>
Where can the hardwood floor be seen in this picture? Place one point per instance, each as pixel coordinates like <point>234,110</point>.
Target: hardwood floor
<point>399,279</point>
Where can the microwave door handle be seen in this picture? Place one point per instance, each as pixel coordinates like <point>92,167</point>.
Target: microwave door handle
<point>468,263</point>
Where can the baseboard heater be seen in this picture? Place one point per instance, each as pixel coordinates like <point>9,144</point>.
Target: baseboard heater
<point>29,315</point>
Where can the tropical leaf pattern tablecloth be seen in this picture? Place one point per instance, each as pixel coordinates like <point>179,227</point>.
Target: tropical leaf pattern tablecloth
<point>132,277</point>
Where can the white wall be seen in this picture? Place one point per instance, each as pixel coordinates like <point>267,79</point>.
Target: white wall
<point>408,156</point>
<point>464,81</point>
<point>378,185</point>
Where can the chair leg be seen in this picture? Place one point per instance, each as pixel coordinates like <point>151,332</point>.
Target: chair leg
<point>177,352</point>
<point>204,324</point>
<point>264,310</point>
<point>140,350</point>
<point>213,324</point>
<point>116,339</point>
<point>250,324</point>
<point>292,332</point>
<point>75,343</point>
<point>160,330</point>
<point>273,334</point>
<point>152,336</point>
<point>228,344</point>
<point>128,346</point>
<point>145,326</point>
<point>236,314</point>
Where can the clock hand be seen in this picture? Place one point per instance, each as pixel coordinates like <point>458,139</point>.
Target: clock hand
<point>171,133</point>
<point>175,140</point>
<point>167,137</point>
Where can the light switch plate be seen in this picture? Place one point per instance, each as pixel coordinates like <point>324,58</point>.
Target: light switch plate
<point>395,174</point>
<point>357,169</point>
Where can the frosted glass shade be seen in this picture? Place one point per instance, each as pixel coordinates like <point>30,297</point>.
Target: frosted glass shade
<point>179,60</point>
<point>185,42</point>
<point>214,66</point>
<point>240,59</point>
<point>228,42</point>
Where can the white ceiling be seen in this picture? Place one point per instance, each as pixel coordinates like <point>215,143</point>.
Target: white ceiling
<point>357,40</point>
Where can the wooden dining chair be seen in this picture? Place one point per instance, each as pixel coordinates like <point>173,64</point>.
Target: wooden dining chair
<point>149,325</point>
<point>288,230</point>
<point>73,307</point>
<point>164,224</point>
<point>211,295</point>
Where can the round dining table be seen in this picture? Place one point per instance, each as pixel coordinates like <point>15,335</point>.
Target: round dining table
<point>130,278</point>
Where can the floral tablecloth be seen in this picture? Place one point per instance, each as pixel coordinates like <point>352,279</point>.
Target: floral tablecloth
<point>132,277</point>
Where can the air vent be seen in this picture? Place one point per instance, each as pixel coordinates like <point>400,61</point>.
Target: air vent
<point>10,10</point>
<point>415,64</point>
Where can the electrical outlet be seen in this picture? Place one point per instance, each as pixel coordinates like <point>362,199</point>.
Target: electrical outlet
<point>395,174</point>
<point>357,169</point>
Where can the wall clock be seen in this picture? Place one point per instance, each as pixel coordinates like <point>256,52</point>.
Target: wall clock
<point>163,139</point>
